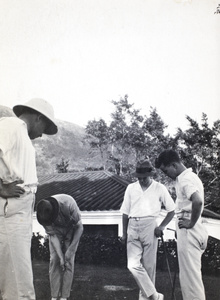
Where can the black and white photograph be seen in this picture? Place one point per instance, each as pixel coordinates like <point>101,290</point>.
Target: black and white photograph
<point>109,149</point>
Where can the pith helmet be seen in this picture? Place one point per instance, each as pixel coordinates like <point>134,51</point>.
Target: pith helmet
<point>41,106</point>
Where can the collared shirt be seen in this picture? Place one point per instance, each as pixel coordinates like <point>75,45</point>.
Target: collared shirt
<point>139,203</point>
<point>17,154</point>
<point>187,183</point>
<point>69,215</point>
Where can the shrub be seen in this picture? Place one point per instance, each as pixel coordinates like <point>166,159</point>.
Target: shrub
<point>40,247</point>
<point>100,250</point>
<point>167,253</point>
<point>211,257</point>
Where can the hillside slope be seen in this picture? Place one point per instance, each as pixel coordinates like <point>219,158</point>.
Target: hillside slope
<point>68,143</point>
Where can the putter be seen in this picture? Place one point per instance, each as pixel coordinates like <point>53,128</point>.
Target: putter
<point>168,267</point>
<point>176,266</point>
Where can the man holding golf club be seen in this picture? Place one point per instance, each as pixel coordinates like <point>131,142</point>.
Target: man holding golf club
<point>18,185</point>
<point>142,204</point>
<point>60,216</point>
<point>191,234</point>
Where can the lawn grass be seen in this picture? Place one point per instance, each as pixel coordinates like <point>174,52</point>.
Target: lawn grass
<point>93,282</point>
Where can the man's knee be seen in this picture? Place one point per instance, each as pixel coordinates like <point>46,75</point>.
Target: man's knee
<point>133,267</point>
<point>54,259</point>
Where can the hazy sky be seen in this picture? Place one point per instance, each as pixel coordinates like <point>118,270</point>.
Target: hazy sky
<point>81,54</point>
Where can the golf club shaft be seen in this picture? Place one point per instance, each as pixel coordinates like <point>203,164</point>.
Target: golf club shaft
<point>168,267</point>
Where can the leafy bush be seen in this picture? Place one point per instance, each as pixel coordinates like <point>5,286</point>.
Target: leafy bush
<point>100,250</point>
<point>211,257</point>
<point>167,253</point>
<point>40,247</point>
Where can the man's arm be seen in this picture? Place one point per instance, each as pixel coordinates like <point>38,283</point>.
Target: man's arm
<point>12,189</point>
<point>78,230</point>
<point>159,230</point>
<point>125,220</point>
<point>57,246</point>
<point>196,212</point>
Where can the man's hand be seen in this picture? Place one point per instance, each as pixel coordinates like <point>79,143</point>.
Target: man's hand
<point>123,239</point>
<point>62,264</point>
<point>12,189</point>
<point>68,255</point>
<point>158,231</point>
<point>184,223</point>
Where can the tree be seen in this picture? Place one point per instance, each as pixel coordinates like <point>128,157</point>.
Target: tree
<point>199,147</point>
<point>62,167</point>
<point>134,136</point>
<point>126,135</point>
<point>156,138</point>
<point>129,137</point>
<point>98,137</point>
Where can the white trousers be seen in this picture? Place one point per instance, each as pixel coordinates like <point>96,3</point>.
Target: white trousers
<point>16,277</point>
<point>191,243</point>
<point>141,254</point>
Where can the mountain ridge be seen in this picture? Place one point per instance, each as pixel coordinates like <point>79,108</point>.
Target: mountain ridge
<point>68,144</point>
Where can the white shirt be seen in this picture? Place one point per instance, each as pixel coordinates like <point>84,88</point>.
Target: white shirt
<point>17,154</point>
<point>187,183</point>
<point>139,203</point>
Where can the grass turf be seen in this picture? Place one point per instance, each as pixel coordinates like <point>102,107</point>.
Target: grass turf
<point>93,282</point>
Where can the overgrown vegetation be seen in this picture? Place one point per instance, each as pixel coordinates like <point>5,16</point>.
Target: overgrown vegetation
<point>131,136</point>
<point>62,167</point>
<point>100,250</point>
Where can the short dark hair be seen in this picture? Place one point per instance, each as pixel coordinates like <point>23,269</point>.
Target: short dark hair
<point>167,157</point>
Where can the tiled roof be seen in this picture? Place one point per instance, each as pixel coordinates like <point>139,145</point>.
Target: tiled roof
<point>95,190</point>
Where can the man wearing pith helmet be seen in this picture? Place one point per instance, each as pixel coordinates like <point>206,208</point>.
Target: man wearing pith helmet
<point>141,206</point>
<point>18,185</point>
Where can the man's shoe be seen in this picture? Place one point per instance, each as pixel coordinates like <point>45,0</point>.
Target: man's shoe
<point>160,296</point>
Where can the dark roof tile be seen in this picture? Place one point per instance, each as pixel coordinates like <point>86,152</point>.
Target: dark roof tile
<point>95,190</point>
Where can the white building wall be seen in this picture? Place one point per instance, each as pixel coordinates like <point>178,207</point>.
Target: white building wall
<point>115,218</point>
